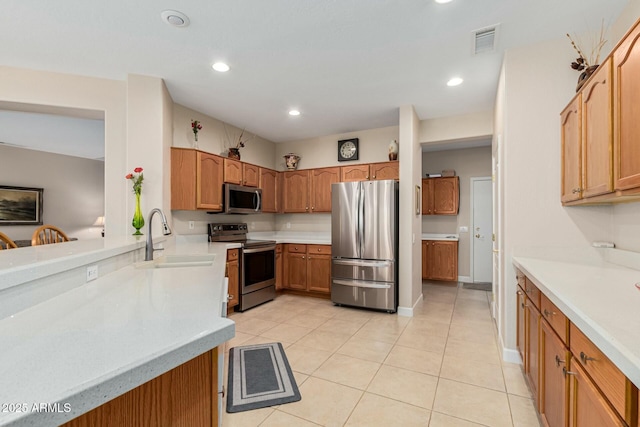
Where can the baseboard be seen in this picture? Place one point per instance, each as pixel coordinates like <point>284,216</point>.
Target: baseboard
<point>465,279</point>
<point>408,312</point>
<point>511,356</point>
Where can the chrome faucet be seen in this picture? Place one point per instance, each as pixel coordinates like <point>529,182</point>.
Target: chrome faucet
<point>148,252</point>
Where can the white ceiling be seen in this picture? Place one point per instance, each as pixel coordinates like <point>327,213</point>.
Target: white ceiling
<point>346,65</point>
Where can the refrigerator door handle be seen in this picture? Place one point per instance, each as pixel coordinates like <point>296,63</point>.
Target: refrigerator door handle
<point>362,263</point>
<point>360,219</point>
<point>362,284</point>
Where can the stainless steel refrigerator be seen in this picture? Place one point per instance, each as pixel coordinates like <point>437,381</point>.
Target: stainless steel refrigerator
<point>364,244</point>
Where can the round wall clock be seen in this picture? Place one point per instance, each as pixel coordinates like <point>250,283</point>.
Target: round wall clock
<point>348,149</point>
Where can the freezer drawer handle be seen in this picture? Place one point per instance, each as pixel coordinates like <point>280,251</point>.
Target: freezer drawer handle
<point>362,263</point>
<point>372,285</point>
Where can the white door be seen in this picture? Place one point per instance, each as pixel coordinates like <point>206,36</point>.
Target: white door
<point>482,190</point>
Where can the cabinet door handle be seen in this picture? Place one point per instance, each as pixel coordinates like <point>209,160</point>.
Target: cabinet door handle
<point>576,190</point>
<point>585,358</point>
<point>547,312</point>
<point>558,361</point>
<point>229,297</point>
<point>565,372</point>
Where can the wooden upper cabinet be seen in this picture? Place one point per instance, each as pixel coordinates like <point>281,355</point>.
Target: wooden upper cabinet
<point>320,190</point>
<point>440,196</point>
<point>597,133</point>
<point>250,175</point>
<point>196,180</point>
<point>626,111</point>
<point>295,191</point>
<point>385,170</point>
<point>232,171</point>
<point>269,185</point>
<point>354,173</point>
<point>571,141</point>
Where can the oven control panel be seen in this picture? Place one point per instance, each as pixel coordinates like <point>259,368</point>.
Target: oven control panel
<point>218,232</point>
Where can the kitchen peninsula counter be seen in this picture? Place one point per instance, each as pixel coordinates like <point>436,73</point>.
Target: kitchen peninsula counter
<point>97,341</point>
<point>600,298</point>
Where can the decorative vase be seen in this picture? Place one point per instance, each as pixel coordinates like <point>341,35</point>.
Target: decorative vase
<point>291,160</point>
<point>584,76</point>
<point>138,218</point>
<point>393,150</point>
<point>234,153</point>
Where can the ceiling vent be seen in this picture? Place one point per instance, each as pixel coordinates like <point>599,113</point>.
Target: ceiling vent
<point>485,39</point>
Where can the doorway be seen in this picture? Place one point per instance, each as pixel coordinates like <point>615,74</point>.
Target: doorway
<point>482,228</point>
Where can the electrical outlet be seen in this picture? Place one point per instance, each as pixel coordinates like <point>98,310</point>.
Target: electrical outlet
<point>253,225</point>
<point>288,225</point>
<point>464,229</point>
<point>92,273</point>
<point>192,225</point>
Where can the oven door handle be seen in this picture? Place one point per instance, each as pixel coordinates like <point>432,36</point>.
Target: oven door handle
<point>260,249</point>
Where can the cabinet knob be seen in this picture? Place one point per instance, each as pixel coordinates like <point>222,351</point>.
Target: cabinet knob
<point>303,257</point>
<point>306,208</point>
<point>313,207</point>
<point>318,249</point>
<point>374,177</point>
<point>367,177</point>
<point>229,297</point>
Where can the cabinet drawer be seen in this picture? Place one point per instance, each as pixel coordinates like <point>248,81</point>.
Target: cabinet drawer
<point>520,278</point>
<point>293,248</point>
<point>532,292</point>
<point>555,317</point>
<point>604,373</point>
<point>279,248</point>
<point>319,249</point>
<point>232,254</point>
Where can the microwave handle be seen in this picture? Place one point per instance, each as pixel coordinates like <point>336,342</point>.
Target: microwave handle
<point>259,201</point>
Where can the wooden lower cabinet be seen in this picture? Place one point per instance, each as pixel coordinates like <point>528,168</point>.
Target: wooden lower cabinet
<point>588,408</point>
<point>532,369</point>
<point>571,380</point>
<point>440,260</point>
<point>521,325</point>
<point>233,274</point>
<point>307,267</point>
<point>553,380</point>
<point>186,396</point>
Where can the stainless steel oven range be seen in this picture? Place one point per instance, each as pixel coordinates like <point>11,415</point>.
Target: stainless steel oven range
<point>257,263</point>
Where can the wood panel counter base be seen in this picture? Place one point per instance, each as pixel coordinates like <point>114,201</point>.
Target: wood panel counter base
<point>185,396</point>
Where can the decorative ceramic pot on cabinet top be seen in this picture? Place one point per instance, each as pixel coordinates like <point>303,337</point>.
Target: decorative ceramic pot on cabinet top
<point>393,150</point>
<point>291,160</point>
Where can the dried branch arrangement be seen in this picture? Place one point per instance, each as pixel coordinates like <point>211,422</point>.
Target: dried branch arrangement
<point>583,61</point>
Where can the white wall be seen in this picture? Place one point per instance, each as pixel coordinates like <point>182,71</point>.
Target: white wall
<point>468,163</point>
<point>410,244</point>
<point>213,138</point>
<point>87,93</point>
<point>73,195</point>
<point>468,126</point>
<point>538,83</point>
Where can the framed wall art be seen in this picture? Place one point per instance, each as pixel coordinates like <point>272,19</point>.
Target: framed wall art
<point>20,205</point>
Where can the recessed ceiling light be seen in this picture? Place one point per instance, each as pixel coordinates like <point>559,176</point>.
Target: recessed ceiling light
<point>175,18</point>
<point>221,67</point>
<point>442,1</point>
<point>455,81</point>
<point>294,112</point>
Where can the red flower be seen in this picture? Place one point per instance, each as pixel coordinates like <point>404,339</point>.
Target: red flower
<point>137,170</point>
<point>129,176</point>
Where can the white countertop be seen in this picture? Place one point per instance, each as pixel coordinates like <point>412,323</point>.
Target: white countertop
<point>301,237</point>
<point>95,342</point>
<point>600,299</point>
<point>434,236</point>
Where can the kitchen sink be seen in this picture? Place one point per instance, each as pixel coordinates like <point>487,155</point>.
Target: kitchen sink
<point>174,261</point>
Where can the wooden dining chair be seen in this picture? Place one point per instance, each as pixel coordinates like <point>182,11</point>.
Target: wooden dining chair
<point>6,242</point>
<point>47,234</point>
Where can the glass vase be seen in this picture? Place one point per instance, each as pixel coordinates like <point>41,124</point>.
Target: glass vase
<point>138,218</point>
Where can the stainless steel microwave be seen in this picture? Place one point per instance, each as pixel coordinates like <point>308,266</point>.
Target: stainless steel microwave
<point>239,199</point>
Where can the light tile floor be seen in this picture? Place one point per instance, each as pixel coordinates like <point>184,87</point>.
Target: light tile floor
<point>441,368</point>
